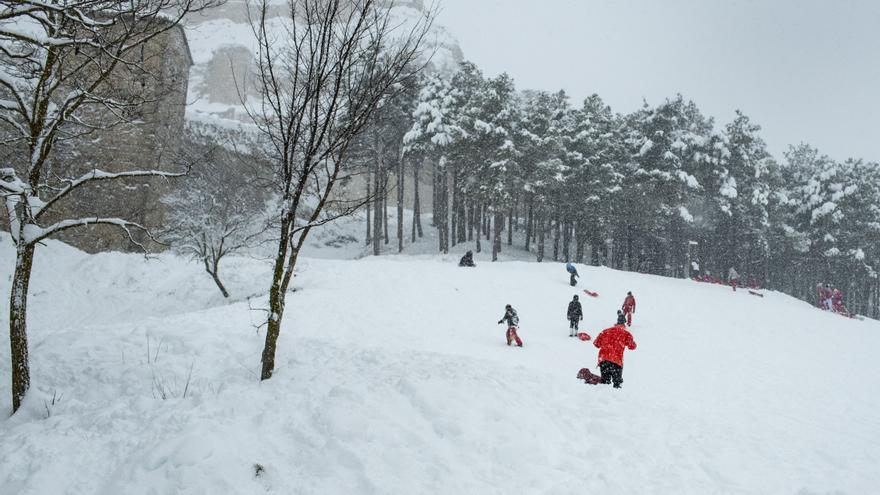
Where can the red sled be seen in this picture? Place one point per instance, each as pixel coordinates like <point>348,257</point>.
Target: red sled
<point>584,336</point>
<point>588,378</point>
<point>591,294</point>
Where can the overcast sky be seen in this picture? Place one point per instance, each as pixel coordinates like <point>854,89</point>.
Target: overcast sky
<point>805,70</point>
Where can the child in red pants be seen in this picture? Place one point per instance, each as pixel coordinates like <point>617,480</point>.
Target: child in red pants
<point>512,320</point>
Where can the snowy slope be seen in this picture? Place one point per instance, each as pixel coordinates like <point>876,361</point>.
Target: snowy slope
<point>393,377</point>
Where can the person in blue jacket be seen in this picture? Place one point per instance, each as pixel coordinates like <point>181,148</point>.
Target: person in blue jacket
<point>573,272</point>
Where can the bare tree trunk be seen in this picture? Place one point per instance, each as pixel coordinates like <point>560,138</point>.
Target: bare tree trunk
<point>556,238</point>
<point>529,224</point>
<point>18,342</point>
<point>488,222</point>
<point>479,224</point>
<point>540,226</point>
<point>385,174</point>
<point>277,291</point>
<point>400,178</point>
<point>212,268</point>
<point>369,237</point>
<point>566,241</point>
<point>510,226</point>
<point>454,208</point>
<point>377,211</point>
<point>417,208</point>
<point>497,223</point>
<point>462,218</point>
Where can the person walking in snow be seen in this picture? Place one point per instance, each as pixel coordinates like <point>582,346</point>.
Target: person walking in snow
<point>611,343</point>
<point>467,259</point>
<point>575,314</point>
<point>570,268</point>
<point>512,320</point>
<point>629,307</point>
<point>733,278</point>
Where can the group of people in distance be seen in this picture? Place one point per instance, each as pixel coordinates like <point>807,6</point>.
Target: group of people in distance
<point>611,342</point>
<point>830,298</point>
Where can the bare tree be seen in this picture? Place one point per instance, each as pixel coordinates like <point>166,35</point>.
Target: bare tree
<point>220,208</point>
<point>319,82</point>
<point>58,62</point>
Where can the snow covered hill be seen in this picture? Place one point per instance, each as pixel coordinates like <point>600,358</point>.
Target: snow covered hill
<point>393,377</point>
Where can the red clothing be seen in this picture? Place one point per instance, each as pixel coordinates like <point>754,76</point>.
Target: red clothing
<point>611,343</point>
<point>512,335</point>
<point>629,304</point>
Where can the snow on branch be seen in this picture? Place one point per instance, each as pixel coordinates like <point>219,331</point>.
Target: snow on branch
<point>33,233</point>
<point>100,175</point>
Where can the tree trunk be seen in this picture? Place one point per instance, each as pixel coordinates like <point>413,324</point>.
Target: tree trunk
<point>496,243</point>
<point>510,226</point>
<point>377,211</point>
<point>400,178</point>
<point>454,208</point>
<point>21,372</point>
<point>479,224</point>
<point>556,239</point>
<point>212,271</point>
<point>540,227</point>
<point>566,241</point>
<point>277,291</point>
<point>385,208</point>
<point>529,225</point>
<point>369,238</point>
<point>417,207</point>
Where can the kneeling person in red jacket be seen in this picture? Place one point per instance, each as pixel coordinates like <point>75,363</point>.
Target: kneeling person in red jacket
<point>611,343</point>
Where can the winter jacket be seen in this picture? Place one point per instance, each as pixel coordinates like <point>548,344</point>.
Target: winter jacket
<point>732,275</point>
<point>571,269</point>
<point>575,312</point>
<point>611,343</point>
<point>467,260</point>
<point>629,304</point>
<point>510,317</point>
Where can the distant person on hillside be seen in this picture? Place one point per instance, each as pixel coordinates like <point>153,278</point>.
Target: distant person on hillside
<point>570,268</point>
<point>733,278</point>
<point>611,343</point>
<point>467,259</point>
<point>512,320</point>
<point>837,301</point>
<point>820,295</point>
<point>629,307</point>
<point>575,314</point>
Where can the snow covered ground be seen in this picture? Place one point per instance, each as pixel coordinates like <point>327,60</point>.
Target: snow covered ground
<point>394,378</point>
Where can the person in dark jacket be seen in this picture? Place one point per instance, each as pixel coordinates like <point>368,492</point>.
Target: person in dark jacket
<point>570,268</point>
<point>629,307</point>
<point>611,343</point>
<point>512,320</point>
<point>467,259</point>
<point>575,314</point>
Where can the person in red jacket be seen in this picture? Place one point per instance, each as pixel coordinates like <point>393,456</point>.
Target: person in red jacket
<point>611,343</point>
<point>629,307</point>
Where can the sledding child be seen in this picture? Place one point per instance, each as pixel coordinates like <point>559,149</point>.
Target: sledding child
<point>575,314</point>
<point>467,259</point>
<point>611,343</point>
<point>570,268</point>
<point>629,307</point>
<point>733,278</point>
<point>512,320</point>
